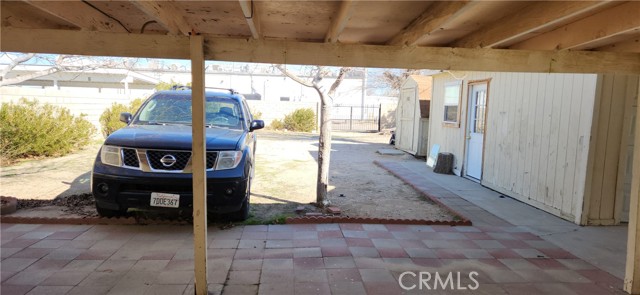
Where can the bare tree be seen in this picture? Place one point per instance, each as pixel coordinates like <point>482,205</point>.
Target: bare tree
<point>393,79</point>
<point>58,63</point>
<point>324,142</point>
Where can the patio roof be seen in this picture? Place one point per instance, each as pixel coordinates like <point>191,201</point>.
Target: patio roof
<point>574,36</point>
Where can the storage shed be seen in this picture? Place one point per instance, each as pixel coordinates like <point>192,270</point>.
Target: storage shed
<point>548,140</point>
<point>412,115</point>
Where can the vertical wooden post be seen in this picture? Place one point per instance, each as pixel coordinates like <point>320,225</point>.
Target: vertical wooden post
<point>198,161</point>
<point>632,275</point>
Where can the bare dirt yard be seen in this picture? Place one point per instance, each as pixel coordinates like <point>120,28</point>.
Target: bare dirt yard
<point>285,178</point>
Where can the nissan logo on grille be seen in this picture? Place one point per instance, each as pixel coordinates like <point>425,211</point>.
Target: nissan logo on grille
<point>168,160</point>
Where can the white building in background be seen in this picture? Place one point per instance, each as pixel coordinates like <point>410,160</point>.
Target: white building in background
<point>264,84</point>
<point>121,82</point>
<point>90,92</point>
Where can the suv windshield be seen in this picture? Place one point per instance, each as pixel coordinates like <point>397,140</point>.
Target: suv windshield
<point>167,109</point>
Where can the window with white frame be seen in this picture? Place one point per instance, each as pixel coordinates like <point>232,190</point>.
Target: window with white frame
<point>452,92</point>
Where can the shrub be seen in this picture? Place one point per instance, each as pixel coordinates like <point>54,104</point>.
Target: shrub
<point>257,116</point>
<point>276,124</point>
<point>110,118</point>
<point>30,129</point>
<point>303,120</point>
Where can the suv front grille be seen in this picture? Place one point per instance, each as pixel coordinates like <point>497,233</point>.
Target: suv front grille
<point>168,160</point>
<point>130,158</point>
<point>211,159</point>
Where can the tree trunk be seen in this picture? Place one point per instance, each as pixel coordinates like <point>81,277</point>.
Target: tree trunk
<point>324,150</point>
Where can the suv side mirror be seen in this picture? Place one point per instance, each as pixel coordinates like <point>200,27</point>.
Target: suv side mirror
<point>125,117</point>
<point>256,124</point>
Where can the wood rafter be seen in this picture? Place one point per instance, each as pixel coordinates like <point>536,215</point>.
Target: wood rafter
<point>436,16</point>
<point>339,21</point>
<point>588,32</point>
<point>309,53</point>
<point>631,45</point>
<point>533,18</point>
<point>79,14</point>
<point>166,14</point>
<point>252,16</point>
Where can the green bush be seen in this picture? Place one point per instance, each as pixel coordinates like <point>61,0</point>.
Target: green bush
<point>110,118</point>
<point>276,124</point>
<point>30,129</point>
<point>303,120</point>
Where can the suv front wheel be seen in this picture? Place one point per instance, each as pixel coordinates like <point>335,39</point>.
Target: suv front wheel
<point>104,212</point>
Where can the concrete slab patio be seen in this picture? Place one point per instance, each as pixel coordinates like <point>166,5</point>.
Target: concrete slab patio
<point>511,249</point>
<point>603,246</point>
<point>291,259</point>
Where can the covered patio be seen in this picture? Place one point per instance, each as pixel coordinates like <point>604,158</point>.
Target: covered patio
<point>509,255</point>
<point>509,36</point>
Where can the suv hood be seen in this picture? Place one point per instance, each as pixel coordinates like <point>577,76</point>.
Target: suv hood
<point>176,137</point>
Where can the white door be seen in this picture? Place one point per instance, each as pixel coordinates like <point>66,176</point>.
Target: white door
<point>404,132</point>
<point>475,130</point>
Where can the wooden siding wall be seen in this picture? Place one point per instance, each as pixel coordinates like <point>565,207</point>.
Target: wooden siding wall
<point>537,136</point>
<point>604,196</point>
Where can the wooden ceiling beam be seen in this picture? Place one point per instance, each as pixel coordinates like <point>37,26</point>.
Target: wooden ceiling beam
<point>535,17</point>
<point>80,14</point>
<point>339,21</point>
<point>252,16</point>
<point>435,17</point>
<point>590,31</point>
<point>166,14</point>
<point>630,45</point>
<point>309,53</point>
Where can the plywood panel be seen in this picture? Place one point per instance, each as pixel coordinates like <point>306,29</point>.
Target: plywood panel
<point>572,144</point>
<point>517,136</point>
<point>563,139</point>
<point>587,113</point>
<point>613,148</point>
<point>600,146</point>
<point>623,186</point>
<point>537,134</point>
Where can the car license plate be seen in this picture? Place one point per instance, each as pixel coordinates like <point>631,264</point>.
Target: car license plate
<point>165,200</point>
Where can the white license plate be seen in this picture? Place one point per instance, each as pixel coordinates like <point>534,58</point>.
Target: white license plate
<point>165,200</point>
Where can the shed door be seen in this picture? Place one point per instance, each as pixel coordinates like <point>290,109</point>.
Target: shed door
<point>475,130</point>
<point>404,139</point>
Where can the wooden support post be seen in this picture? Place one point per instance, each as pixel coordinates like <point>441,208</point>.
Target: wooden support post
<point>632,275</point>
<point>198,161</point>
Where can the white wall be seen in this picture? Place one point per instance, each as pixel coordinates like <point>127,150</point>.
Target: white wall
<point>537,135</point>
<point>269,86</point>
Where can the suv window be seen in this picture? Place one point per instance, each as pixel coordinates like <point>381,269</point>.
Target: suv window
<point>176,109</point>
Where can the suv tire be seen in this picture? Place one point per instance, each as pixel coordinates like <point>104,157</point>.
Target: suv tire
<point>104,212</point>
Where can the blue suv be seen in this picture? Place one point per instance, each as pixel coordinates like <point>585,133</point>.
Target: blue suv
<point>147,164</point>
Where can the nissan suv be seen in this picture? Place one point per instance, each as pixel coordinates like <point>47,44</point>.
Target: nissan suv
<point>147,164</point>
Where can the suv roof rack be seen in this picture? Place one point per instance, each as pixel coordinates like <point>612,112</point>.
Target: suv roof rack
<point>220,88</point>
<point>183,87</point>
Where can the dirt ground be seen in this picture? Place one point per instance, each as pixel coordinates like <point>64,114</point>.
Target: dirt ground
<point>285,178</point>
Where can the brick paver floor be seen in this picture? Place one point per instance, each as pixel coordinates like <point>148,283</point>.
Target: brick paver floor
<point>292,259</point>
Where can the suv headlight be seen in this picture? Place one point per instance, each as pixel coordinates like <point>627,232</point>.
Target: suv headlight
<point>228,159</point>
<point>110,155</point>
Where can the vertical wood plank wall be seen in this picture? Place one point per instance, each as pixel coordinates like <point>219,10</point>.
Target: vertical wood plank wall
<point>604,196</point>
<point>537,135</point>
